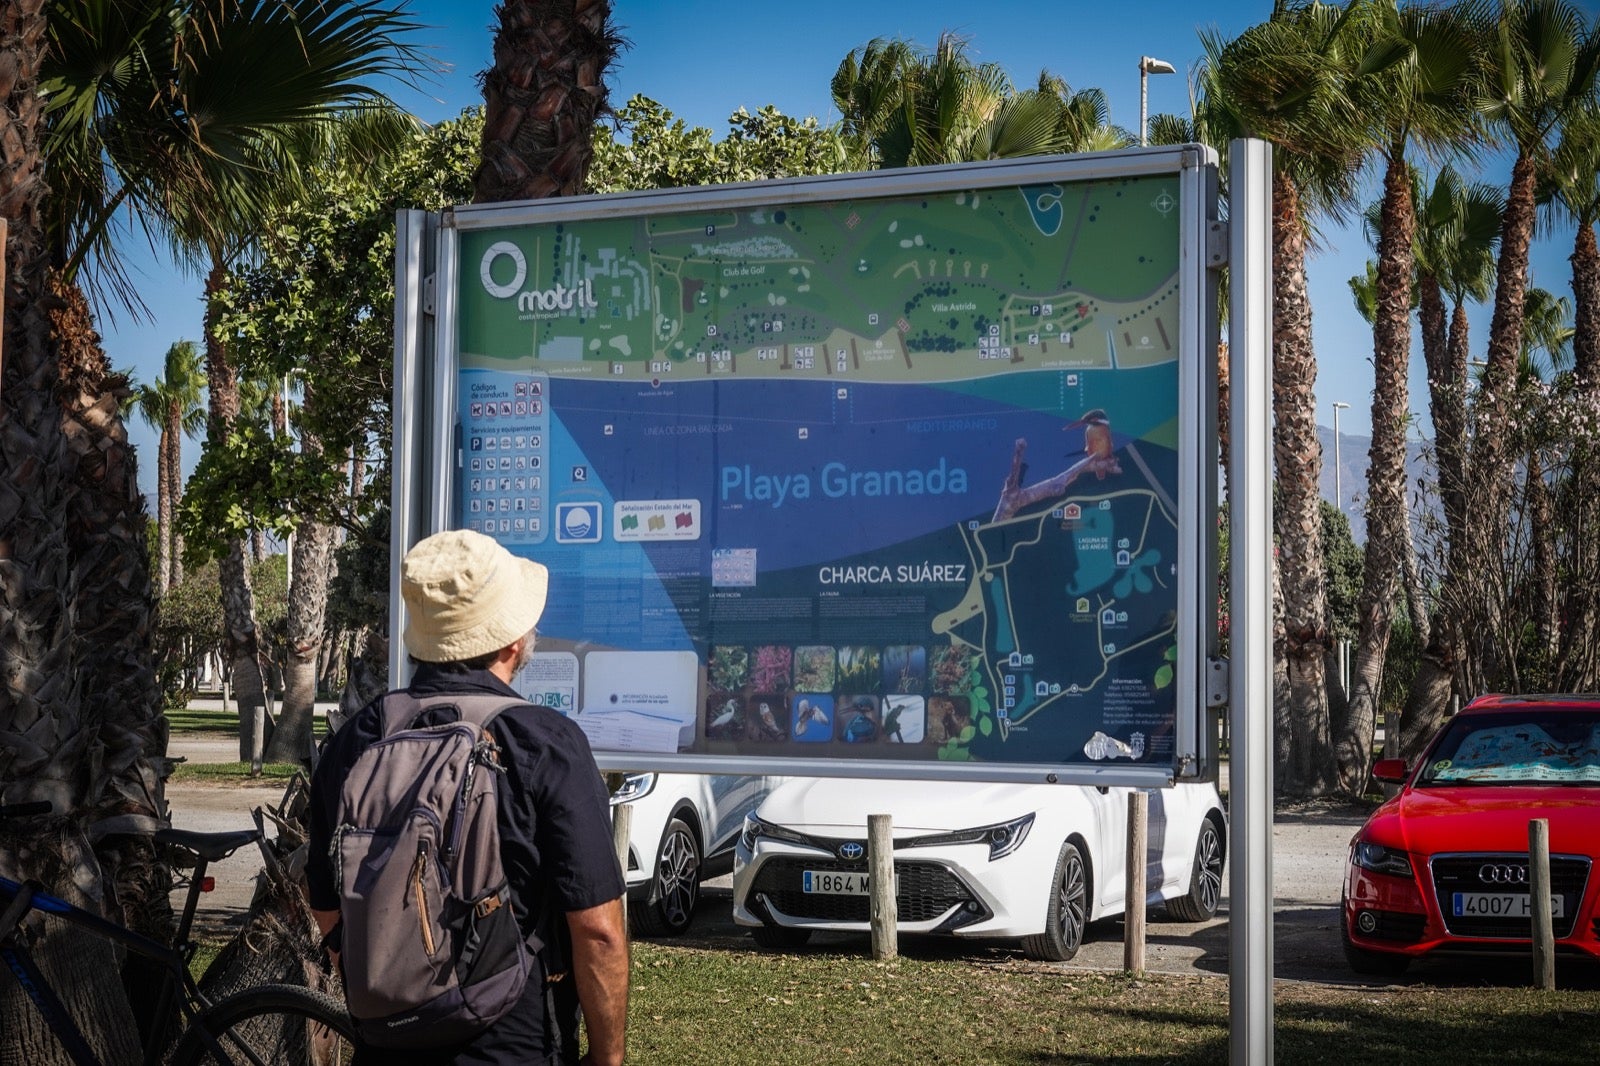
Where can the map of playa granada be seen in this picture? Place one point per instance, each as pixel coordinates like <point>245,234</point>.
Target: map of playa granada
<point>765,416</point>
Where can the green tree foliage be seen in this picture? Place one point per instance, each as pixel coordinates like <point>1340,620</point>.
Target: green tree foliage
<point>189,623</point>
<point>319,306</point>
<point>653,149</point>
<point>1341,567</point>
<point>904,106</point>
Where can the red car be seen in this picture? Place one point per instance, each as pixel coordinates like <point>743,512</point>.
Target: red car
<point>1443,866</point>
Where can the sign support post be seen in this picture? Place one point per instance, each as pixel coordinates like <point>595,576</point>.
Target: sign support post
<point>1250,550</point>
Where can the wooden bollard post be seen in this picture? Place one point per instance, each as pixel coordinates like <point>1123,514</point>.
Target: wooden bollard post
<point>1544,942</point>
<point>1133,891</point>
<point>258,740</point>
<point>880,871</point>
<point>621,829</point>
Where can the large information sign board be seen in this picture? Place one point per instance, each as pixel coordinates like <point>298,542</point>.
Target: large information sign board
<point>902,474</point>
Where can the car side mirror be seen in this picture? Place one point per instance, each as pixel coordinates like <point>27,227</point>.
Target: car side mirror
<point>1389,771</point>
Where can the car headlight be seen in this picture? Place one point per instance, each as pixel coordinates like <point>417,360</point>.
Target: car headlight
<point>633,787</point>
<point>1003,837</point>
<point>755,828</point>
<point>1379,859</point>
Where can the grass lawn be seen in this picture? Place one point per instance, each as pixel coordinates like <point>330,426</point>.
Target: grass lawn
<point>195,720</point>
<point>232,773</point>
<point>808,1009</point>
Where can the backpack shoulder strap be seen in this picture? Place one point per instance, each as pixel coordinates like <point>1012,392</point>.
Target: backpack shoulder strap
<point>400,708</point>
<point>483,708</point>
<point>397,711</point>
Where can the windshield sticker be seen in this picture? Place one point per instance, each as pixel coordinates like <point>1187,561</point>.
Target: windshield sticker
<point>1523,752</point>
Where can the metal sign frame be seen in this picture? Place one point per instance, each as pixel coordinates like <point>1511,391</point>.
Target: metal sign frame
<point>427,455</point>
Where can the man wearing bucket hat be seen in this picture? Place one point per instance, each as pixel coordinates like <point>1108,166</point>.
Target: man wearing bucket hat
<point>471,609</point>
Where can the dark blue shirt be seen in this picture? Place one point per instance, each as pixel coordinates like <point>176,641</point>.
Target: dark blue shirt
<point>555,841</point>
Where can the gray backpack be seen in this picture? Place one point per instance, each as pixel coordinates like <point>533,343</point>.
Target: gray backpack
<point>432,951</point>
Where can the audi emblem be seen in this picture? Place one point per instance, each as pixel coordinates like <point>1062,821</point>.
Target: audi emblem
<point>850,851</point>
<point>1502,873</point>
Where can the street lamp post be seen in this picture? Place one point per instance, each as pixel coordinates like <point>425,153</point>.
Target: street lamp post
<point>1147,67</point>
<point>1338,489</point>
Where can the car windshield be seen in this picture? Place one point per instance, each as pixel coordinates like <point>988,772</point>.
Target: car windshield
<point>1527,746</point>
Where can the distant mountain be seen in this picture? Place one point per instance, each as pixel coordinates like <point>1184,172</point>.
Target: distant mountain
<point>1351,479</point>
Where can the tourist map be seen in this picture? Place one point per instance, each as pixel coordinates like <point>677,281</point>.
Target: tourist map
<point>886,478</point>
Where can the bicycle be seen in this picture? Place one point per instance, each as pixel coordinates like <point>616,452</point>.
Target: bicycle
<point>269,1025</point>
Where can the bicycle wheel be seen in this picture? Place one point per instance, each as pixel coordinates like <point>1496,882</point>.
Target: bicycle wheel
<point>273,1025</point>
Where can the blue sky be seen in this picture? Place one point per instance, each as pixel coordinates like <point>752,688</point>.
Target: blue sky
<point>702,59</point>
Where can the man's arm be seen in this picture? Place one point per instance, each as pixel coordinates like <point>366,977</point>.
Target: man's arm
<point>326,920</point>
<point>600,966</point>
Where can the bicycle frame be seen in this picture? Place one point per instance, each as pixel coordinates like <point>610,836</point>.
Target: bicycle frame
<point>19,899</point>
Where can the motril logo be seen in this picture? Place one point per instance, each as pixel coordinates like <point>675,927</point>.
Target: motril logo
<point>557,298</point>
<point>486,269</point>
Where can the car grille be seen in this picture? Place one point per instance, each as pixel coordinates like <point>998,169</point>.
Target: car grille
<point>923,890</point>
<point>1460,873</point>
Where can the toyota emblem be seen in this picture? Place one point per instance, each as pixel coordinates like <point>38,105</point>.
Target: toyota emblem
<point>1503,873</point>
<point>850,851</point>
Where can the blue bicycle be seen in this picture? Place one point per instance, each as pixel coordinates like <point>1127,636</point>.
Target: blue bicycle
<point>270,1025</point>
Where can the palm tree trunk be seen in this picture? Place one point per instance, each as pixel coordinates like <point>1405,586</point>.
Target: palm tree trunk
<point>62,465</point>
<point>1585,261</point>
<point>1581,495</point>
<point>1298,457</point>
<point>175,484</point>
<point>542,97</point>
<point>240,645</point>
<point>1439,670</point>
<point>1449,400</point>
<point>176,535</point>
<point>1542,530</point>
<point>163,510</point>
<point>1387,530</point>
<point>307,608</point>
<point>307,611</point>
<point>1489,484</point>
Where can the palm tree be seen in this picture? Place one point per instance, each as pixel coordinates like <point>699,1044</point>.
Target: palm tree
<point>1572,182</point>
<point>1456,236</point>
<point>1285,80</point>
<point>1085,117</point>
<point>304,61</point>
<point>866,89</point>
<point>542,97</point>
<point>1572,186</point>
<point>904,107</point>
<point>173,406</point>
<point>147,110</point>
<point>1412,82</point>
<point>1543,65</point>
<point>1545,331</point>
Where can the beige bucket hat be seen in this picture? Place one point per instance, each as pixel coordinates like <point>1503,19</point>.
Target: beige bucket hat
<point>466,596</point>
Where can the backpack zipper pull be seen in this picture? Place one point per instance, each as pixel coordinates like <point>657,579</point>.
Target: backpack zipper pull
<point>418,869</point>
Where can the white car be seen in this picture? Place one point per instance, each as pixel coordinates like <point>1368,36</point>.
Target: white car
<point>683,831</point>
<point>1030,862</point>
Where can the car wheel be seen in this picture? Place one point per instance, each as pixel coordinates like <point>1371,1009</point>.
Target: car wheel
<point>780,937</point>
<point>1068,912</point>
<point>1369,963</point>
<point>675,888</point>
<point>1205,882</point>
